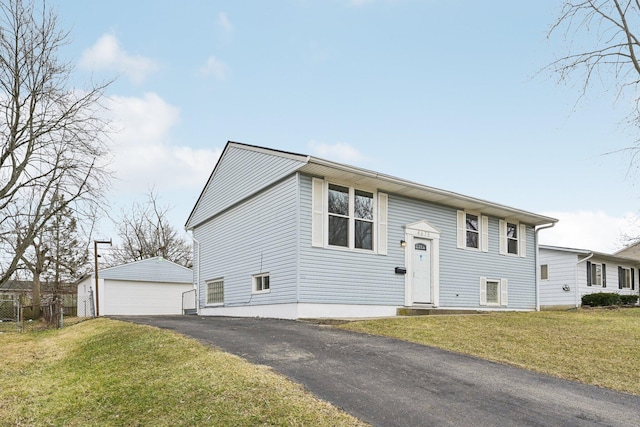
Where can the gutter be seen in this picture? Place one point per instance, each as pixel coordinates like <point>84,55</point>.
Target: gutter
<point>538,229</point>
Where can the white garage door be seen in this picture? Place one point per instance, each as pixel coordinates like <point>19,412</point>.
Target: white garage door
<point>141,298</point>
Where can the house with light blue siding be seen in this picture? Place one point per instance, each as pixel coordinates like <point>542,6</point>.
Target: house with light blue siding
<point>286,235</point>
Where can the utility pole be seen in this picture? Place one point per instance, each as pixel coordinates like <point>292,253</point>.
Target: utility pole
<point>95,257</point>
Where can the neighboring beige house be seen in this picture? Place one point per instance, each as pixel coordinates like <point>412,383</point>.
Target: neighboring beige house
<point>631,251</point>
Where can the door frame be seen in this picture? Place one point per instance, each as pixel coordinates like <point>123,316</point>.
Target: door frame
<point>422,230</point>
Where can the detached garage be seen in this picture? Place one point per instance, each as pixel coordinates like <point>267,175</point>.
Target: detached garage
<point>150,286</point>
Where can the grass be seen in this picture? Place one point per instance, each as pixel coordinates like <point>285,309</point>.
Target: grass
<point>599,347</point>
<point>110,373</point>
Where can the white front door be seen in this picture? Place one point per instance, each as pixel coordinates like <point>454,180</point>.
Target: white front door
<point>421,271</point>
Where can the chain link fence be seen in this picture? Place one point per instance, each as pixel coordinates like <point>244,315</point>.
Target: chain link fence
<point>8,315</point>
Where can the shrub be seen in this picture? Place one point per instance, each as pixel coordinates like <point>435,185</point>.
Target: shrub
<point>601,299</point>
<point>629,299</point>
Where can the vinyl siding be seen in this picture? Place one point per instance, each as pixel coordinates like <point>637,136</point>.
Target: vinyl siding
<point>334,276</point>
<point>240,174</point>
<point>351,277</point>
<point>461,269</point>
<point>256,236</point>
<point>562,271</point>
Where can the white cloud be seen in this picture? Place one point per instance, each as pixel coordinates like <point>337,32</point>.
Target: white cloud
<point>106,54</point>
<point>224,24</point>
<point>340,152</point>
<point>596,231</point>
<point>144,154</point>
<point>216,68</point>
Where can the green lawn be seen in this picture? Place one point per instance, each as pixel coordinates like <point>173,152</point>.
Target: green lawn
<point>109,373</point>
<point>600,347</point>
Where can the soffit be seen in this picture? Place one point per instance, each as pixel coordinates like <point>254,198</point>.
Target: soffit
<point>388,184</point>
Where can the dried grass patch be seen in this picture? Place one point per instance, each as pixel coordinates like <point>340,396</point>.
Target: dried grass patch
<point>598,347</point>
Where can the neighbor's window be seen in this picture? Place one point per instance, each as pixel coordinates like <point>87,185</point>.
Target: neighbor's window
<point>624,278</point>
<point>351,217</point>
<point>215,292</point>
<point>261,283</point>
<point>596,274</point>
<point>512,238</point>
<point>544,272</point>
<point>473,230</point>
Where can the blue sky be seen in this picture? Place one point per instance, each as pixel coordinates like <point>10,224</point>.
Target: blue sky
<point>441,92</point>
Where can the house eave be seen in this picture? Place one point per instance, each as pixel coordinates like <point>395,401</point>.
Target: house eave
<point>370,179</point>
<point>582,253</point>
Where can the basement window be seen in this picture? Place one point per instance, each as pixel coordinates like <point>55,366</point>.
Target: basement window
<point>215,292</point>
<point>261,283</point>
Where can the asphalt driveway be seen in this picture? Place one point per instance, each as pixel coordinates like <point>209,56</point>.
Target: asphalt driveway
<point>388,382</point>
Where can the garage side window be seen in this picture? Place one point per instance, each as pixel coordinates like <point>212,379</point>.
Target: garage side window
<point>215,292</point>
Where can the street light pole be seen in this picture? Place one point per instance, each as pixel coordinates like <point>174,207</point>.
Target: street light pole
<point>95,257</point>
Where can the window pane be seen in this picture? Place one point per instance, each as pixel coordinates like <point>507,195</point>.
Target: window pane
<point>215,292</point>
<point>627,278</point>
<point>364,235</point>
<point>512,231</point>
<point>492,292</point>
<point>338,231</point>
<point>472,222</point>
<point>265,282</point>
<point>364,205</point>
<point>544,272</point>
<point>512,245</point>
<point>596,274</point>
<point>338,200</point>
<point>472,239</point>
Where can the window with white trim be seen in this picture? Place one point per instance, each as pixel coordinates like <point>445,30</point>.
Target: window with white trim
<point>493,292</point>
<point>215,291</point>
<point>363,217</point>
<point>544,272</point>
<point>261,283</point>
<point>512,238</point>
<point>624,278</point>
<point>348,217</point>
<point>473,230</point>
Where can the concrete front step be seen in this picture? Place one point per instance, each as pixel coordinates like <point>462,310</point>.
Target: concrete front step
<point>423,311</point>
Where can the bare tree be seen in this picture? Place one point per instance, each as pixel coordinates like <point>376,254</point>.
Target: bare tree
<point>145,232</point>
<point>602,40</point>
<point>52,134</point>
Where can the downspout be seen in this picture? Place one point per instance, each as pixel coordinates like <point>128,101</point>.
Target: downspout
<point>576,283</point>
<point>538,229</point>
<point>196,285</point>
